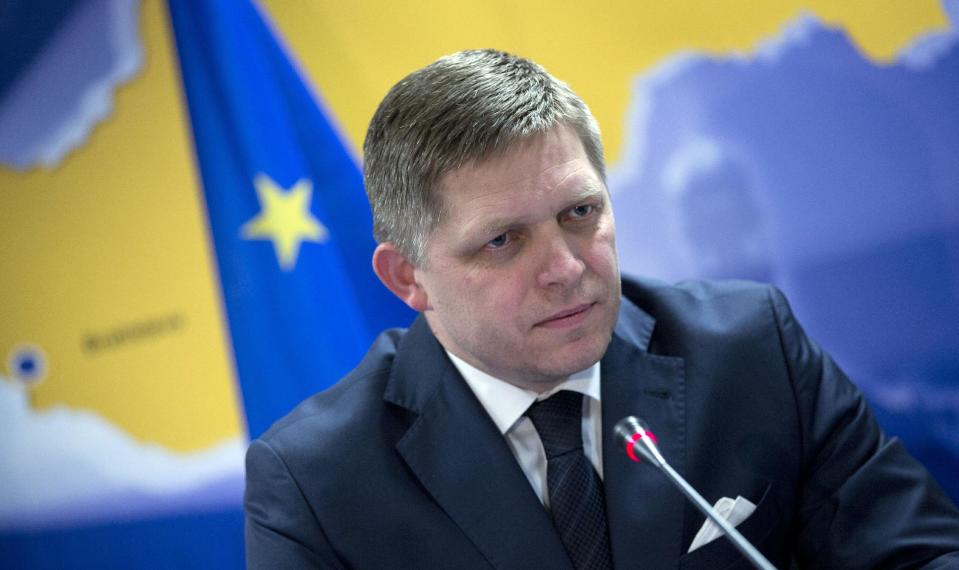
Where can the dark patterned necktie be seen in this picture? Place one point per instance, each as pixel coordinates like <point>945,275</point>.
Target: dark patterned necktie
<point>575,489</point>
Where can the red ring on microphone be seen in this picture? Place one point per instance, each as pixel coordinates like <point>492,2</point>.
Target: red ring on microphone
<point>632,443</point>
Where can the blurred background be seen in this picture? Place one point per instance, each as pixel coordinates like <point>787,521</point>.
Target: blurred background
<point>184,239</point>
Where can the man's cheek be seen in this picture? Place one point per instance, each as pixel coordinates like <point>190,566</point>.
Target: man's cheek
<point>602,261</point>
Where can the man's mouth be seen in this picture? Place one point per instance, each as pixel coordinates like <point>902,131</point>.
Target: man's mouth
<point>568,317</point>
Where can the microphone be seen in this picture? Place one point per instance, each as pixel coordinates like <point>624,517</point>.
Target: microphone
<point>638,439</point>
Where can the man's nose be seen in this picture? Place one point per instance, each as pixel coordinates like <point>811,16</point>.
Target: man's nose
<point>561,265</point>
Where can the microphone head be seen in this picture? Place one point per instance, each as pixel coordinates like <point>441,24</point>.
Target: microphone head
<point>638,439</point>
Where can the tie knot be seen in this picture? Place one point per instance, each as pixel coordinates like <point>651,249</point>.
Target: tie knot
<point>559,422</point>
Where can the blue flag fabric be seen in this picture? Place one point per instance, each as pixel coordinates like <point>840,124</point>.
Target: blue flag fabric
<point>288,215</point>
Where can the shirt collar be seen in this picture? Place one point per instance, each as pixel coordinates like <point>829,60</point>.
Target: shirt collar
<point>506,403</point>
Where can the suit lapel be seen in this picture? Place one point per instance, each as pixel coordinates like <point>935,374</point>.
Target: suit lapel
<point>459,456</point>
<point>645,512</point>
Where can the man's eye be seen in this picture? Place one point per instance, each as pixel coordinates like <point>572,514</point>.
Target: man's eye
<point>581,211</point>
<point>498,241</point>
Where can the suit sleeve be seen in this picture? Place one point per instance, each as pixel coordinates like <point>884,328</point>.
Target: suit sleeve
<point>864,502</point>
<point>281,530</point>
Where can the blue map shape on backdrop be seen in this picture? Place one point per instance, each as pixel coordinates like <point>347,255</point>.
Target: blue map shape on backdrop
<point>835,177</point>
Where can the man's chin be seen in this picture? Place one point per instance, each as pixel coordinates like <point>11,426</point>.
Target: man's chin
<point>567,361</point>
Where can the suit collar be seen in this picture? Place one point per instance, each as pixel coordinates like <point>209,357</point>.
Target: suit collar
<point>418,368</point>
<point>421,360</point>
<point>634,326</point>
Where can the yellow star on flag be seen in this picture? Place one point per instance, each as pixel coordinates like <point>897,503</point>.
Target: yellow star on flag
<point>285,219</point>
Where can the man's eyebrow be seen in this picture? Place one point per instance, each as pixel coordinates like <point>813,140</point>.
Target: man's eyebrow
<point>589,190</point>
<point>498,225</point>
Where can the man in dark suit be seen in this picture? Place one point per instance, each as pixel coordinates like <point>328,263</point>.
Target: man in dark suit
<point>482,436</point>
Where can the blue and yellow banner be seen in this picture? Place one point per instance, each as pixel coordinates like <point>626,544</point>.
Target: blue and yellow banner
<point>290,223</point>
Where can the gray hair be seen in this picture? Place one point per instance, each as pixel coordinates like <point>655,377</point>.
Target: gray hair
<point>462,108</point>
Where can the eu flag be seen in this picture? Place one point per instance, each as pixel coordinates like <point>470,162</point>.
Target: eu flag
<point>287,211</point>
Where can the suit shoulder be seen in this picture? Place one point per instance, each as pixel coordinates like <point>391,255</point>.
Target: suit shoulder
<point>698,295</point>
<point>721,310</point>
<point>343,406</point>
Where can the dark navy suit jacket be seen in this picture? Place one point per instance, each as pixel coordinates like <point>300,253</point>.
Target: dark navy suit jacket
<point>399,466</point>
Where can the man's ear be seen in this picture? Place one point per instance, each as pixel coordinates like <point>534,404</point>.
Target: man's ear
<point>398,274</point>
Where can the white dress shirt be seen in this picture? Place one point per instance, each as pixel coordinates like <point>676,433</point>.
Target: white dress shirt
<point>506,404</point>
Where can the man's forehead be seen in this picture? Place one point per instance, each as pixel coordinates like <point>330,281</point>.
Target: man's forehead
<point>552,156</point>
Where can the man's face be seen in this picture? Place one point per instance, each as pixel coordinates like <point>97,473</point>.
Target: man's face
<point>521,278</point>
